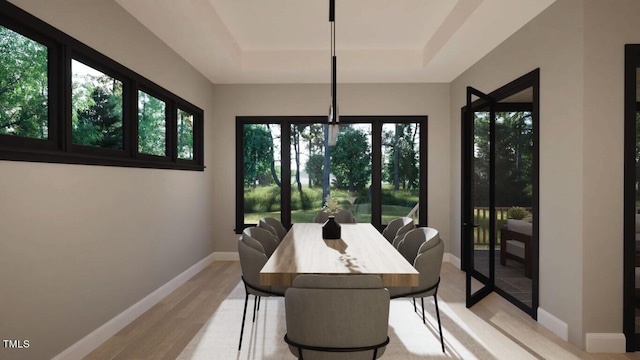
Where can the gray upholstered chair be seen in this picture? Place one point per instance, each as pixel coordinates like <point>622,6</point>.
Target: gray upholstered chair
<point>274,225</point>
<point>252,259</point>
<point>397,239</point>
<point>342,217</point>
<point>268,240</point>
<point>337,317</point>
<point>428,261</point>
<point>408,246</point>
<point>264,225</point>
<point>398,227</point>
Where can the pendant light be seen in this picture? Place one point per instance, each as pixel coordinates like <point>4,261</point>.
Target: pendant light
<point>333,119</point>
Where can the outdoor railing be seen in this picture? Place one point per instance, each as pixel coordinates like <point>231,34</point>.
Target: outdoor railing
<point>481,220</point>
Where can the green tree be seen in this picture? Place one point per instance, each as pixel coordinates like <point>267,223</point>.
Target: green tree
<point>314,168</point>
<point>100,123</point>
<point>402,163</point>
<point>151,125</point>
<point>513,161</point>
<point>258,154</point>
<point>296,130</point>
<point>23,86</point>
<point>351,160</point>
<point>185,135</point>
<point>274,173</point>
<point>314,136</point>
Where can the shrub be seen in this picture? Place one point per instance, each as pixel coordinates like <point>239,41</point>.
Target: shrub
<point>399,197</point>
<point>517,213</point>
<point>309,199</point>
<point>262,199</point>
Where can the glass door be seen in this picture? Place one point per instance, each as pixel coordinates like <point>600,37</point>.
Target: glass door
<point>500,193</point>
<point>478,228</point>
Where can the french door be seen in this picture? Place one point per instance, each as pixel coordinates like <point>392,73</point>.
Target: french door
<point>479,256</point>
<point>500,193</point>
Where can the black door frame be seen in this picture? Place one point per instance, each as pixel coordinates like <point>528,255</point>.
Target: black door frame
<point>631,106</point>
<point>468,192</point>
<point>531,79</point>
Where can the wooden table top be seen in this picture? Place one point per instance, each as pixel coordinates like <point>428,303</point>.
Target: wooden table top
<point>361,250</point>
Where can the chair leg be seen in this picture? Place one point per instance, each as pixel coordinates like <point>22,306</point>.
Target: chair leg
<point>244,314</point>
<point>256,298</point>
<point>414,305</point>
<point>435,299</point>
<point>259,301</point>
<point>423,319</point>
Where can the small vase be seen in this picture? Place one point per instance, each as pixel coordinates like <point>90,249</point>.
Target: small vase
<point>331,229</point>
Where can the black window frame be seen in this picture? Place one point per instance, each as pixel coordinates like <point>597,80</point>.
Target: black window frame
<point>149,90</point>
<point>54,54</point>
<point>107,67</point>
<point>376,122</point>
<point>59,147</point>
<point>198,136</point>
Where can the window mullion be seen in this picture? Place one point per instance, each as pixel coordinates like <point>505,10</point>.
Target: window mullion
<point>65,83</point>
<point>376,174</point>
<point>130,117</point>
<point>423,161</point>
<point>285,192</point>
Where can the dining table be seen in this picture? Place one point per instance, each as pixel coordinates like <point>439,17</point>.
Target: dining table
<point>361,249</point>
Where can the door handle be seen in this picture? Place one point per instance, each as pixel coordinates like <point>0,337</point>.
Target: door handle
<point>474,225</point>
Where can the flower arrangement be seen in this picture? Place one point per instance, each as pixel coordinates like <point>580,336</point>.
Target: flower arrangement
<point>331,205</point>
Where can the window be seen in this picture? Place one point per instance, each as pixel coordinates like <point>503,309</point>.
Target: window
<point>24,86</point>
<point>377,168</point>
<point>400,187</point>
<point>61,101</point>
<point>185,135</point>
<point>152,125</point>
<point>96,108</point>
<point>262,177</point>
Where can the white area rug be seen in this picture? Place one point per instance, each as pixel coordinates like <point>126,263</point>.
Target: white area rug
<point>409,337</point>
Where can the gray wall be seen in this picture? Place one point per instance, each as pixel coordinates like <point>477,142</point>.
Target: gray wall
<point>579,47</point>
<point>80,244</point>
<point>608,26</point>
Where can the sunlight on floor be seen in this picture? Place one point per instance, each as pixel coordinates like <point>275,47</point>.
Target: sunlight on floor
<point>492,329</point>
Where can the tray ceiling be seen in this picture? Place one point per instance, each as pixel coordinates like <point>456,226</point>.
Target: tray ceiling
<point>377,41</point>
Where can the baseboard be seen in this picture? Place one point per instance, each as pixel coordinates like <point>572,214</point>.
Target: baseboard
<point>605,343</point>
<point>96,338</point>
<point>226,256</point>
<point>454,260</point>
<point>554,324</point>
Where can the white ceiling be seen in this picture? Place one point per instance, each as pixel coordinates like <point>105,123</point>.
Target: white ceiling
<point>377,41</point>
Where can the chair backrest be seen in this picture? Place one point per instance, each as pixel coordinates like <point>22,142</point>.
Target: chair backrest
<point>263,225</point>
<point>321,217</point>
<point>345,217</point>
<point>268,240</point>
<point>398,227</point>
<point>412,240</point>
<point>390,231</point>
<point>275,224</point>
<point>251,261</point>
<point>396,241</point>
<point>342,217</point>
<point>429,262</point>
<point>337,311</point>
<point>408,226</point>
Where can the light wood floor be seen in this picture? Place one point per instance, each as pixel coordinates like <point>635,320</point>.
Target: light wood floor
<point>165,330</point>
